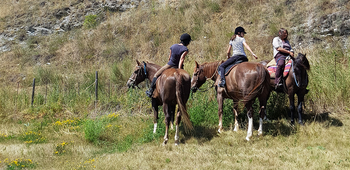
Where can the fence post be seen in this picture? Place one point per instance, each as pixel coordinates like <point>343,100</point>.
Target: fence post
<point>96,88</point>
<point>33,91</point>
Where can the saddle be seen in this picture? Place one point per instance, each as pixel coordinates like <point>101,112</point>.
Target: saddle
<point>230,67</point>
<point>272,66</point>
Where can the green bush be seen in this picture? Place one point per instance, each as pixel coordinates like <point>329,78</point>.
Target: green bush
<point>93,129</point>
<point>90,21</point>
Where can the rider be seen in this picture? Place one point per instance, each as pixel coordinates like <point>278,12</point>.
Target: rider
<point>281,49</point>
<point>177,56</point>
<point>236,43</point>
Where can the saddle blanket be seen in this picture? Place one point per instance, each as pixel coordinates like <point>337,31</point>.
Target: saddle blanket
<point>272,69</point>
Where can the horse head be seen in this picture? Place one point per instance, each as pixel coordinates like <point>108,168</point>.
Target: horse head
<point>302,61</point>
<point>198,78</point>
<point>137,76</point>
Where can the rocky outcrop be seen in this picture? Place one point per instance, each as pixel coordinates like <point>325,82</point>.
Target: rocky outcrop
<point>335,25</point>
<point>60,20</point>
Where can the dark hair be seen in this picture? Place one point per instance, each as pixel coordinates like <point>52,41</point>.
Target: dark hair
<point>280,33</point>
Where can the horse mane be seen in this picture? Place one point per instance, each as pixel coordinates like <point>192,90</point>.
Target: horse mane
<point>156,66</point>
<point>301,61</point>
<point>210,67</point>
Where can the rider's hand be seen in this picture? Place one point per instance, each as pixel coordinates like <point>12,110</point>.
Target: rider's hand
<point>291,54</point>
<point>255,56</point>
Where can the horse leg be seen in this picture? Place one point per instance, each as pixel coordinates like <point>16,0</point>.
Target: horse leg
<point>262,113</point>
<point>235,107</point>
<point>292,107</point>
<point>178,119</point>
<point>167,121</point>
<point>155,112</point>
<point>300,107</point>
<point>220,108</point>
<point>249,107</point>
<point>172,115</point>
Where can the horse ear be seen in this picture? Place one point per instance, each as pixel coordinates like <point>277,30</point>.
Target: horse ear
<point>138,63</point>
<point>197,66</point>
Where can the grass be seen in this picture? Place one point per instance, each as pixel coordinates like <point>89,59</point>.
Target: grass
<point>67,129</point>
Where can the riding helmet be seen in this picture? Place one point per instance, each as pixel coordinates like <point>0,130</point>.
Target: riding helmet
<point>240,29</point>
<point>185,37</point>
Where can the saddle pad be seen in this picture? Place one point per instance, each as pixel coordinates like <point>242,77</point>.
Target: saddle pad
<point>272,69</point>
<point>230,67</point>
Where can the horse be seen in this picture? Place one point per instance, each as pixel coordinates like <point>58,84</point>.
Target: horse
<point>245,82</point>
<point>295,83</point>
<point>173,87</point>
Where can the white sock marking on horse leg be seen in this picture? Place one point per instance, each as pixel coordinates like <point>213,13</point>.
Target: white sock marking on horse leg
<point>177,135</point>
<point>260,126</point>
<point>171,126</point>
<point>220,127</point>
<point>250,128</point>
<point>155,128</point>
<point>236,126</point>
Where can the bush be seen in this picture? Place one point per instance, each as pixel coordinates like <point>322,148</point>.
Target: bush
<point>90,21</point>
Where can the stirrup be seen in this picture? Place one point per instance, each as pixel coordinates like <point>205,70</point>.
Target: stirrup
<point>222,83</point>
<point>149,93</point>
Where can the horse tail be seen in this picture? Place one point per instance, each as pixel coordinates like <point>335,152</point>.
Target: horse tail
<point>182,94</point>
<point>264,79</point>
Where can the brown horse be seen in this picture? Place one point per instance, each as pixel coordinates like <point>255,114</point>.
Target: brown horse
<point>172,87</point>
<point>245,82</point>
<point>295,83</point>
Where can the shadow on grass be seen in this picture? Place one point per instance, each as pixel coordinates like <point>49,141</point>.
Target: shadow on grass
<point>323,118</point>
<point>201,133</point>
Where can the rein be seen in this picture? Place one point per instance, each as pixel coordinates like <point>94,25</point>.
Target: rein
<point>144,69</point>
<point>295,79</point>
<point>216,70</point>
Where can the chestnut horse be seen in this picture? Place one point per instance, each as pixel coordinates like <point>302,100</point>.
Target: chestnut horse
<point>295,83</point>
<point>173,87</point>
<point>245,82</point>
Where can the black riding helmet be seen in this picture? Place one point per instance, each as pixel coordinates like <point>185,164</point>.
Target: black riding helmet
<point>185,39</point>
<point>240,29</point>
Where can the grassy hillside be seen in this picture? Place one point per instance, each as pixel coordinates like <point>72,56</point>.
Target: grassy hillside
<point>67,129</point>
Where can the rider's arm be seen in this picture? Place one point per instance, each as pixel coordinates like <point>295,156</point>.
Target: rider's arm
<point>229,51</point>
<point>247,46</point>
<point>182,59</point>
<point>169,56</point>
<point>282,50</point>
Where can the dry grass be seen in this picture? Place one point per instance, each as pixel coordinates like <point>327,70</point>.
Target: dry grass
<point>318,145</point>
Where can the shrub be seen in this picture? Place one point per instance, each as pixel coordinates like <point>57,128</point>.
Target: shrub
<point>90,21</point>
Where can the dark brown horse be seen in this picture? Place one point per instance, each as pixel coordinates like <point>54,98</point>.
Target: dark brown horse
<point>295,83</point>
<point>245,82</point>
<point>172,87</point>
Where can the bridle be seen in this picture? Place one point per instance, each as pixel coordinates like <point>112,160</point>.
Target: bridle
<point>200,90</point>
<point>132,80</point>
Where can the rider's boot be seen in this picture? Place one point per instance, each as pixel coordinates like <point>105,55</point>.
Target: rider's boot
<point>222,83</point>
<point>149,92</point>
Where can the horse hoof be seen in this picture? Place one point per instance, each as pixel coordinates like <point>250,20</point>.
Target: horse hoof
<point>220,131</point>
<point>247,138</point>
<point>177,142</point>
<point>301,123</point>
<point>260,133</point>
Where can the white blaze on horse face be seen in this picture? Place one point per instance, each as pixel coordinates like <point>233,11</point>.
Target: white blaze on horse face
<point>155,128</point>
<point>250,128</point>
